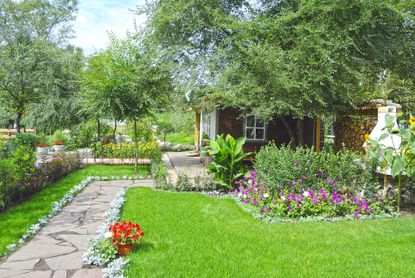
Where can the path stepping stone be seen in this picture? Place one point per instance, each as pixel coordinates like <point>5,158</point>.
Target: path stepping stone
<point>56,251</point>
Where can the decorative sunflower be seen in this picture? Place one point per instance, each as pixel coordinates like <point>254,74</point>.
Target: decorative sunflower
<point>412,120</point>
<point>367,137</point>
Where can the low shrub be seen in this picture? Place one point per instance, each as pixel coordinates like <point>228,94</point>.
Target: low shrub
<point>20,177</point>
<point>149,150</point>
<point>279,166</point>
<point>300,201</point>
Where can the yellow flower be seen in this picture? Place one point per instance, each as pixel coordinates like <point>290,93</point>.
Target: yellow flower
<point>412,120</point>
<point>367,137</point>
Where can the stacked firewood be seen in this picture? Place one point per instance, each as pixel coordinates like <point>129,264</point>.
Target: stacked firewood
<point>350,131</point>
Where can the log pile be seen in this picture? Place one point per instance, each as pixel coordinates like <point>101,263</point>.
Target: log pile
<point>350,131</point>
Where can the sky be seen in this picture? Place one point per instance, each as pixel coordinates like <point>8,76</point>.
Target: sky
<point>96,17</point>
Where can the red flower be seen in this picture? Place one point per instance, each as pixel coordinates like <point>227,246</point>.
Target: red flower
<point>126,232</point>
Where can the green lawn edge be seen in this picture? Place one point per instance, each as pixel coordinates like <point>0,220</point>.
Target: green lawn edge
<point>16,221</point>
<point>194,235</point>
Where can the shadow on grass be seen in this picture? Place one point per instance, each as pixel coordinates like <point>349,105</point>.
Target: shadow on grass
<point>145,247</point>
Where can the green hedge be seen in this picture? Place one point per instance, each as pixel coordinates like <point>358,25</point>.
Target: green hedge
<point>150,150</point>
<point>278,166</point>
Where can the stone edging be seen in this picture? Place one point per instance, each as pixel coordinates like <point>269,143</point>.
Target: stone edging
<point>56,208</point>
<point>92,255</point>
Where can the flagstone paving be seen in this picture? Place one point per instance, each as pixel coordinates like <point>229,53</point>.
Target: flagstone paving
<point>56,251</point>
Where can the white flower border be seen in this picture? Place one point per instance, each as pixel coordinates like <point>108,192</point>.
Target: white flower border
<point>92,255</point>
<point>57,207</point>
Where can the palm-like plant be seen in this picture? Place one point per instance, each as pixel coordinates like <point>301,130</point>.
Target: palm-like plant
<point>227,156</point>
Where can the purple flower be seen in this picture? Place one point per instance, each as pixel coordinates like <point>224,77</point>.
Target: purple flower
<point>261,211</point>
<point>315,201</point>
<point>289,183</point>
<point>357,212</point>
<point>274,203</point>
<point>268,210</point>
<point>290,207</point>
<point>300,180</point>
<point>297,164</point>
<point>372,210</point>
<point>255,202</point>
<point>318,174</point>
<point>329,181</point>
<point>38,166</point>
<point>253,174</point>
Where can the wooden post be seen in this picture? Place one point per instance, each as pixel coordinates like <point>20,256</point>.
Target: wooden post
<point>318,134</point>
<point>197,129</point>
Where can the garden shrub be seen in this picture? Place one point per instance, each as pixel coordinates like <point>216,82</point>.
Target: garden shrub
<point>298,200</point>
<point>149,150</point>
<point>24,139</point>
<point>281,166</point>
<point>20,177</point>
<point>7,179</point>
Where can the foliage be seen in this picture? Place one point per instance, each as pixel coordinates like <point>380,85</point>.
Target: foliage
<point>25,139</point>
<point>297,200</point>
<point>300,58</point>
<point>20,177</point>
<point>285,250</point>
<point>279,166</point>
<point>150,150</point>
<point>33,35</point>
<point>227,156</point>
<point>160,175</point>
<point>145,130</point>
<point>399,159</point>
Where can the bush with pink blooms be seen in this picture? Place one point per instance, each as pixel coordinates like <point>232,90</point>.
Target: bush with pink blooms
<point>296,201</point>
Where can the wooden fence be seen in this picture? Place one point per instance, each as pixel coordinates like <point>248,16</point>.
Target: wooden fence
<point>11,133</point>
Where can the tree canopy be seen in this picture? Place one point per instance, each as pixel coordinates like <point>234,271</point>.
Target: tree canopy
<point>302,58</point>
<point>33,36</point>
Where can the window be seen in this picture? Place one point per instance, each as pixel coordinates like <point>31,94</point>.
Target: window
<point>254,128</point>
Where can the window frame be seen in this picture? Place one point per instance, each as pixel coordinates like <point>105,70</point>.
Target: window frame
<point>246,127</point>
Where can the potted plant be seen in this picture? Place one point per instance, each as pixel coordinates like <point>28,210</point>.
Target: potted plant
<point>42,148</point>
<point>58,146</point>
<point>126,236</point>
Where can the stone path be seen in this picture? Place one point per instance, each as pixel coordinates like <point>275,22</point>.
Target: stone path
<point>181,162</point>
<point>56,251</point>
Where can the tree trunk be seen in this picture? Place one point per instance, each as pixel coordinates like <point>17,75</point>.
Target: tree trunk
<point>300,132</point>
<point>115,130</point>
<point>17,121</point>
<point>290,132</point>
<point>136,146</point>
<point>98,131</point>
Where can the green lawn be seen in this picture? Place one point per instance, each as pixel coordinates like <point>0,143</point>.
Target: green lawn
<point>15,221</point>
<point>181,138</point>
<point>192,235</point>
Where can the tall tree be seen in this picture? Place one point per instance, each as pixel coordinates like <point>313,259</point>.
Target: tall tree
<point>30,33</point>
<point>127,82</point>
<point>300,58</point>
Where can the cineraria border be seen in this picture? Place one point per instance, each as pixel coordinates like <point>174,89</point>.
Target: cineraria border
<point>57,207</point>
<point>92,255</point>
<point>274,220</point>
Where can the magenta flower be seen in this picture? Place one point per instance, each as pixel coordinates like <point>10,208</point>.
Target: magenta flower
<point>255,202</point>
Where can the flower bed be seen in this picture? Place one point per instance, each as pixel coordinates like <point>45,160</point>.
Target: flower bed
<point>294,201</point>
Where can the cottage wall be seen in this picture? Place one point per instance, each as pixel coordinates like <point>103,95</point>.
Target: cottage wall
<point>232,122</point>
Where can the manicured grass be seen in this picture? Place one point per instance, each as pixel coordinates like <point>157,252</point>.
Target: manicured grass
<point>181,138</point>
<point>192,235</point>
<point>15,221</point>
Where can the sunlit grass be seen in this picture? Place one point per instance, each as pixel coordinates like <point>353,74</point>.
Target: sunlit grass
<point>15,221</point>
<point>192,235</point>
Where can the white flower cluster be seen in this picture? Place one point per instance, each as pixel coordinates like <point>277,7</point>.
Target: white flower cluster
<point>93,254</point>
<point>116,268</point>
<point>56,208</point>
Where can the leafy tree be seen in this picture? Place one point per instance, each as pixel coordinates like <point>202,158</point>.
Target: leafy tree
<point>30,33</point>
<point>300,58</point>
<point>128,82</point>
